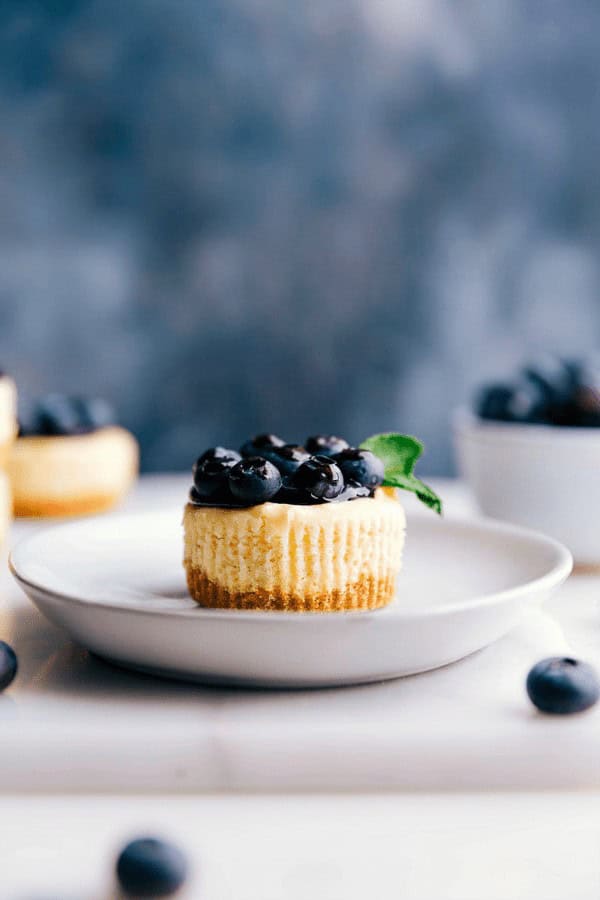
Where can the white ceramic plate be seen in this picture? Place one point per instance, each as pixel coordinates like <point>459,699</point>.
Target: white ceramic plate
<point>116,584</point>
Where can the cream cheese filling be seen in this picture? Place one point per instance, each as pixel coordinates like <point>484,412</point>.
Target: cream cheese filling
<point>103,462</point>
<point>302,550</point>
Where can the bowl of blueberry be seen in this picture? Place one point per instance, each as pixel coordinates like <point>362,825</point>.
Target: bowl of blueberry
<point>530,451</point>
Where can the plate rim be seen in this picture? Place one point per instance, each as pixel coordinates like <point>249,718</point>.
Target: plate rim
<point>554,577</point>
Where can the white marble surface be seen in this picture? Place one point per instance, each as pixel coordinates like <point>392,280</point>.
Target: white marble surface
<point>73,723</point>
<point>497,847</point>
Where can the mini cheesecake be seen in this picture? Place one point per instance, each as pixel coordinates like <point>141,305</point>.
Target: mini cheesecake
<point>8,417</point>
<point>281,556</point>
<point>70,459</point>
<point>311,528</point>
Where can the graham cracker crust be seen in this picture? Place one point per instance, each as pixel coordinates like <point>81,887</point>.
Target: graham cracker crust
<point>86,504</point>
<point>367,593</point>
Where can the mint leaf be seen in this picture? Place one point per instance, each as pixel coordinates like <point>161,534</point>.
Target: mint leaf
<point>399,454</point>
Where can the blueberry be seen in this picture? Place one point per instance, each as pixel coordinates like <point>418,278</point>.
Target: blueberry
<point>325,445</point>
<point>585,409</point>
<point>555,376</point>
<point>222,453</point>
<point>528,403</point>
<point>261,442</point>
<point>288,458</point>
<point>211,476</point>
<point>562,685</point>
<point>8,665</point>
<point>361,467</point>
<point>493,402</point>
<point>148,867</point>
<point>354,492</point>
<point>93,413</point>
<point>56,415</point>
<point>254,480</point>
<point>320,477</point>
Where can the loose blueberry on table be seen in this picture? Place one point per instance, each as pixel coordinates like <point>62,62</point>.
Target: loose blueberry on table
<point>561,686</point>
<point>8,665</point>
<point>548,391</point>
<point>148,867</point>
<point>325,469</point>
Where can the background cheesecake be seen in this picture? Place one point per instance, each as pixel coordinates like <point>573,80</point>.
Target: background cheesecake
<point>70,459</point>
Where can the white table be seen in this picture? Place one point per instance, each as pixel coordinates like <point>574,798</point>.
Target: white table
<point>229,774</point>
<point>73,722</point>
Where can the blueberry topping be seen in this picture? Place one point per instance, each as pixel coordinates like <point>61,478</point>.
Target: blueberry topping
<point>354,492</point>
<point>325,445</point>
<point>361,467</point>
<point>148,867</point>
<point>563,685</point>
<point>254,480</point>
<point>93,413</point>
<point>58,414</point>
<point>320,477</point>
<point>211,476</point>
<point>261,442</point>
<point>8,665</point>
<point>231,456</point>
<point>288,458</point>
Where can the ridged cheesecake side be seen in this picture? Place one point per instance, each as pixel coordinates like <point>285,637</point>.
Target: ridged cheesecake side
<point>276,556</point>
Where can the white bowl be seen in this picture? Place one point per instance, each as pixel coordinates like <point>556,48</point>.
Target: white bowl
<point>541,476</point>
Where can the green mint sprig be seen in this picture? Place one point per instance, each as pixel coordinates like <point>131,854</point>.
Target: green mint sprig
<point>399,454</point>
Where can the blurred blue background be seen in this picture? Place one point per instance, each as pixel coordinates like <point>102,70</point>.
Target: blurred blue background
<point>231,217</point>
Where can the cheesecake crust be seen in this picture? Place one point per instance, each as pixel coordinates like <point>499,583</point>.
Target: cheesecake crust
<point>84,505</point>
<point>367,593</point>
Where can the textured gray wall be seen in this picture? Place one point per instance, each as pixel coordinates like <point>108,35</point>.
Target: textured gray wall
<point>254,215</point>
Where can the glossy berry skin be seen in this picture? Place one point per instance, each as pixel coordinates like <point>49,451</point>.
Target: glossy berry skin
<point>148,867</point>
<point>222,453</point>
<point>288,458</point>
<point>320,478</point>
<point>361,467</point>
<point>561,686</point>
<point>211,475</point>
<point>261,442</point>
<point>254,480</point>
<point>325,445</point>
<point>8,665</point>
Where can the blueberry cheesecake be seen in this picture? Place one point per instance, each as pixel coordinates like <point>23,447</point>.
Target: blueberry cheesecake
<point>312,527</point>
<point>70,458</point>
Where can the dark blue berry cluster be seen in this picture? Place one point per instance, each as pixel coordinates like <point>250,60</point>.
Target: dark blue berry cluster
<point>547,391</point>
<point>323,470</point>
<point>58,414</point>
